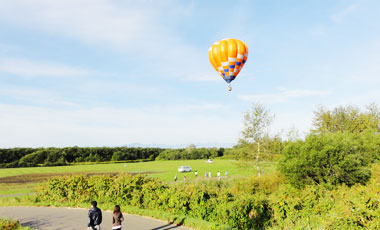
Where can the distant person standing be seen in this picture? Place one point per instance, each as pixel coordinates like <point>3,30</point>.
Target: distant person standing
<point>196,173</point>
<point>205,174</point>
<point>184,178</point>
<point>218,174</point>
<point>175,178</point>
<point>209,174</point>
<point>226,174</point>
<point>94,217</point>
<point>117,218</point>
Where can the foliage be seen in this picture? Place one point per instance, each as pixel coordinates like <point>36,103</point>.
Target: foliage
<point>347,119</point>
<point>255,134</point>
<point>190,153</point>
<point>256,142</point>
<point>256,122</point>
<point>316,207</point>
<point>6,224</point>
<point>331,158</point>
<point>207,200</point>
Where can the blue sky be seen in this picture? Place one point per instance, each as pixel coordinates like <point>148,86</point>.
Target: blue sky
<point>110,73</point>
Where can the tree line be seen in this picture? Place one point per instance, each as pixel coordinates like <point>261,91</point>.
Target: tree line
<point>30,157</point>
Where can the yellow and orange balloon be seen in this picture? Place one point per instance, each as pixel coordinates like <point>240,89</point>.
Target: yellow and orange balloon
<point>228,57</point>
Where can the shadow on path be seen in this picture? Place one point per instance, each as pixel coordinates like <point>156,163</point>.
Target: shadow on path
<point>170,225</point>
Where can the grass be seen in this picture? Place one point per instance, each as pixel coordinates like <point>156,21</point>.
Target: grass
<point>7,189</point>
<point>17,181</point>
<point>7,224</point>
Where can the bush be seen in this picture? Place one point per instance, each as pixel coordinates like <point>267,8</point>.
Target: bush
<point>209,200</point>
<point>332,158</point>
<point>315,207</point>
<point>190,153</point>
<point>32,159</point>
<point>6,224</point>
<point>170,154</point>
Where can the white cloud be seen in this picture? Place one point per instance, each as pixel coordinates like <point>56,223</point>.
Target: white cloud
<point>367,68</point>
<point>42,97</point>
<point>202,76</point>
<point>187,108</point>
<point>135,28</point>
<point>285,121</point>
<point>88,20</point>
<point>338,17</point>
<point>28,68</point>
<point>362,99</point>
<point>8,49</point>
<point>318,31</point>
<point>110,86</point>
<point>282,96</point>
<point>108,126</point>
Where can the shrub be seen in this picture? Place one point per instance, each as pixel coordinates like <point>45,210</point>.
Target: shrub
<point>210,201</point>
<point>332,158</point>
<point>315,207</point>
<point>6,224</point>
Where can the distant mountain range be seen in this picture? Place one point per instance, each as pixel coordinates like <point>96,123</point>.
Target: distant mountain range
<point>178,146</point>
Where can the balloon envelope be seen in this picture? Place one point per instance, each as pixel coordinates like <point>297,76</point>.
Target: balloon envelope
<point>228,57</point>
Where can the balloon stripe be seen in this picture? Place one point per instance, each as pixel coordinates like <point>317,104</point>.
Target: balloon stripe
<point>223,52</point>
<point>239,57</point>
<point>215,55</point>
<point>211,58</point>
<point>232,52</point>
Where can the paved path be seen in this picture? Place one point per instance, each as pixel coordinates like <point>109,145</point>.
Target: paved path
<point>42,218</point>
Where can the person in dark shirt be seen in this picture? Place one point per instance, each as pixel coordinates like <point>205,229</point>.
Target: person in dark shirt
<point>94,217</point>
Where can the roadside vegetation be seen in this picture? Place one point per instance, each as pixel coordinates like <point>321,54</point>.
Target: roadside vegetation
<point>7,224</point>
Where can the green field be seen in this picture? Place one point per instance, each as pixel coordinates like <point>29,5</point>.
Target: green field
<point>19,181</point>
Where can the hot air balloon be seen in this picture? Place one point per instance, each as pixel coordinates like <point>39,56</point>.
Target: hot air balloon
<point>228,57</point>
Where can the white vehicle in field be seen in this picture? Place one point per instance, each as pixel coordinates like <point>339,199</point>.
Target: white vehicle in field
<point>184,169</point>
<point>209,161</point>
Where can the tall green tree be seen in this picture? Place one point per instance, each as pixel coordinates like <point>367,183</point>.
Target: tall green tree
<point>255,133</point>
<point>346,119</point>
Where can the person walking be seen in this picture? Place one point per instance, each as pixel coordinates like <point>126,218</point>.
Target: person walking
<point>117,218</point>
<point>218,174</point>
<point>94,217</point>
<point>209,174</point>
<point>196,173</point>
<point>205,174</point>
<point>175,178</point>
<point>226,174</point>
